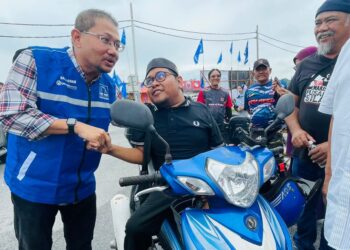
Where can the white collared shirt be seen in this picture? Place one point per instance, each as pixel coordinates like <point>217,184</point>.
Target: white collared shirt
<point>336,101</point>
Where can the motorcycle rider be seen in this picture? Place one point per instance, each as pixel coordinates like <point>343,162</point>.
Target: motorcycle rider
<point>187,126</point>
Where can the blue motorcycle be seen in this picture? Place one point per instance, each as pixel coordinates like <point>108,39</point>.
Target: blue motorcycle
<point>219,205</point>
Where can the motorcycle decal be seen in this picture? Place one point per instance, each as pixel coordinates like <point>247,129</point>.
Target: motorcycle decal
<point>279,228</point>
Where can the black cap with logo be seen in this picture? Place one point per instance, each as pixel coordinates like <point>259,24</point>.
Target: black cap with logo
<point>260,62</point>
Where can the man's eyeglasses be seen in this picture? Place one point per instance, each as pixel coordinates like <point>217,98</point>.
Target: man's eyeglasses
<point>106,40</point>
<point>159,77</point>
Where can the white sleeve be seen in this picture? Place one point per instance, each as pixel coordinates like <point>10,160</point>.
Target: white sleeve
<point>340,72</point>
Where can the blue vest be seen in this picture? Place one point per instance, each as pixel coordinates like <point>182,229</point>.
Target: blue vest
<point>58,169</point>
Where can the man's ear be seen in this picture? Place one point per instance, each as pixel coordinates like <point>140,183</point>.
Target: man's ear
<point>76,38</point>
<point>180,81</point>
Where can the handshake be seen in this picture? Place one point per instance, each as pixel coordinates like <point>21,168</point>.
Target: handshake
<point>97,139</point>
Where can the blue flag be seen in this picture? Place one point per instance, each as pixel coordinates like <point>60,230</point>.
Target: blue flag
<point>239,57</point>
<point>220,58</point>
<point>117,81</point>
<point>123,90</point>
<point>198,51</point>
<point>246,54</point>
<point>231,48</point>
<point>123,40</point>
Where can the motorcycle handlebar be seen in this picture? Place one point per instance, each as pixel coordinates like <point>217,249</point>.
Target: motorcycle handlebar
<point>140,179</point>
<point>244,137</point>
<point>277,150</point>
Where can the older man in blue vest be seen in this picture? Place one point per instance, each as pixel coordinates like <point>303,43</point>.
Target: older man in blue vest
<point>53,103</point>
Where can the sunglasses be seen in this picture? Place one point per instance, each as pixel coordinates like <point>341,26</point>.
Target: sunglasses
<point>159,77</point>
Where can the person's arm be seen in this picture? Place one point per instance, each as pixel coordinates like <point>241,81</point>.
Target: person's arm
<point>328,169</point>
<point>20,114</point>
<point>279,90</point>
<point>300,138</point>
<point>132,155</point>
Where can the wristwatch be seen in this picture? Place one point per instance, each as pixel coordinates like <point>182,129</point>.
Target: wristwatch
<point>71,124</point>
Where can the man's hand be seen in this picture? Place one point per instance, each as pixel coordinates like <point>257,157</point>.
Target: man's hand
<point>276,86</point>
<point>103,149</point>
<point>319,153</point>
<point>97,137</point>
<point>300,138</point>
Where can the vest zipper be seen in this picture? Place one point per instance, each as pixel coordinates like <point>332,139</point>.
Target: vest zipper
<point>76,198</point>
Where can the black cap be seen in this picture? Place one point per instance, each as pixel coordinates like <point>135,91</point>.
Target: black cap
<point>260,62</point>
<point>334,5</point>
<point>161,63</point>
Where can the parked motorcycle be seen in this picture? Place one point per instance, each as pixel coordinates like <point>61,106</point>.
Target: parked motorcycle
<point>218,204</point>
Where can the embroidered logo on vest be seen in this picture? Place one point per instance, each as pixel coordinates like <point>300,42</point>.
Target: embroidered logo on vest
<point>69,83</point>
<point>104,93</point>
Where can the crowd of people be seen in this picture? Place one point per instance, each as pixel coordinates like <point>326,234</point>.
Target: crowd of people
<point>55,110</point>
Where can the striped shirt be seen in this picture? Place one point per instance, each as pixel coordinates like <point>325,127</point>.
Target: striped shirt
<point>19,113</point>
<point>336,102</point>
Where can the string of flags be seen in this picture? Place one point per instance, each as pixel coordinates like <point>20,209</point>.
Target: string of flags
<point>200,50</point>
<point>121,86</point>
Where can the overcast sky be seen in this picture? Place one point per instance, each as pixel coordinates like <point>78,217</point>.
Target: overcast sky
<point>290,21</point>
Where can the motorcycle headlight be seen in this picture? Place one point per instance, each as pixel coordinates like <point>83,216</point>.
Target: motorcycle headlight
<point>195,185</point>
<point>269,168</point>
<point>239,183</point>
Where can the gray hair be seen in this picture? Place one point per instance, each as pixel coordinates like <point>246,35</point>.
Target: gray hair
<point>86,19</point>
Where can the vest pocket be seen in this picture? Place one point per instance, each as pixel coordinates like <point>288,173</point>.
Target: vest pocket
<point>26,164</point>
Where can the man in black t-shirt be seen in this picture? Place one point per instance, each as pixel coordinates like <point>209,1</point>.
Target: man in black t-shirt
<point>187,126</point>
<point>306,123</point>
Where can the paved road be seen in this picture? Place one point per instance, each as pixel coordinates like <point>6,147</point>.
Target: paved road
<point>107,186</point>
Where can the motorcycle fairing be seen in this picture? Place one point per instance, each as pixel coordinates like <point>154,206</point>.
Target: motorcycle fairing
<point>226,228</point>
<point>169,234</point>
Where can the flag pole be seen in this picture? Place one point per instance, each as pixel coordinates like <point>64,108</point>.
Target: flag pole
<point>238,69</point>
<point>231,64</point>
<point>257,42</point>
<point>203,67</point>
<point>134,50</point>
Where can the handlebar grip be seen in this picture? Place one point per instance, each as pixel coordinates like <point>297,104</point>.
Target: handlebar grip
<point>140,179</point>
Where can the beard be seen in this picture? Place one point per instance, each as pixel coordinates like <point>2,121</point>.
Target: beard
<point>325,48</point>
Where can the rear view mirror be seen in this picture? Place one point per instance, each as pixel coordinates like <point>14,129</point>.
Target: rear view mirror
<point>130,114</point>
<point>285,106</point>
